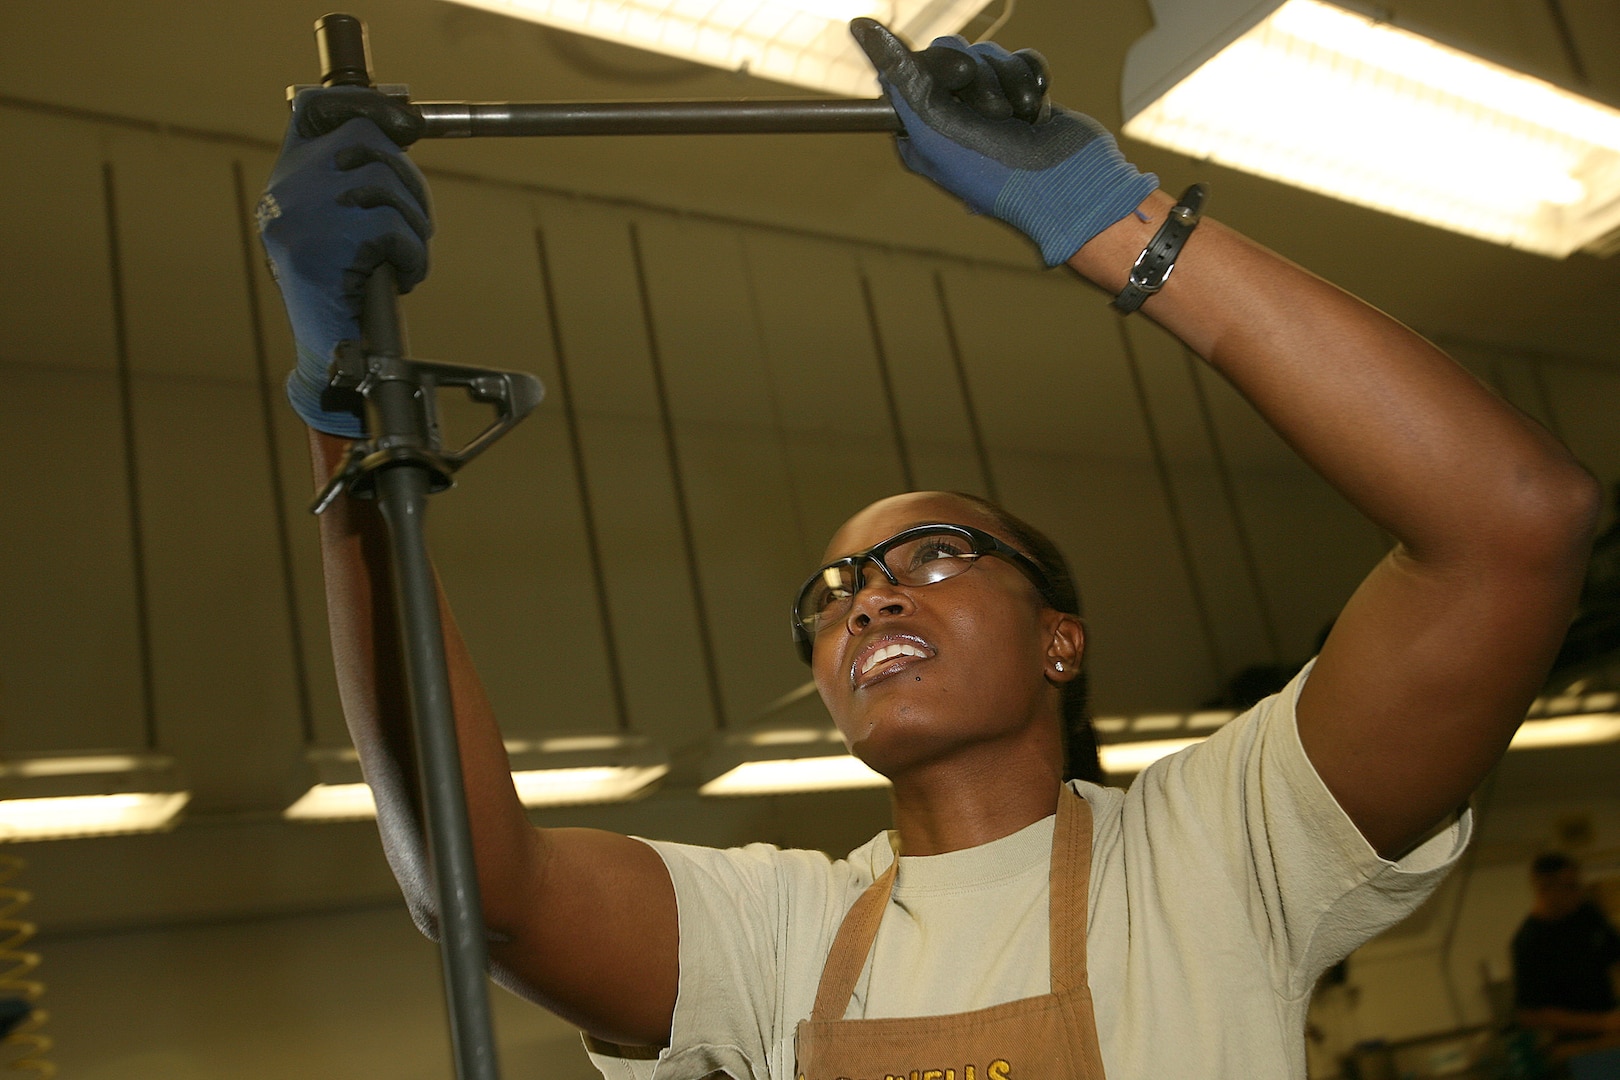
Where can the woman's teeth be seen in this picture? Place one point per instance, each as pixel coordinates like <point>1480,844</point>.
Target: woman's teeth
<point>889,652</point>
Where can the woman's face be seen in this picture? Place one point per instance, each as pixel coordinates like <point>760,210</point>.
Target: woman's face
<point>972,656</point>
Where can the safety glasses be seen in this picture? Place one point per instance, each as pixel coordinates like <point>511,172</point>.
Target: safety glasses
<point>922,555</point>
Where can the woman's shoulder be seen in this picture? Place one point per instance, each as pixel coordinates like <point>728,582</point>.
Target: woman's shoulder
<point>1106,804</point>
<point>762,870</point>
<point>1101,798</point>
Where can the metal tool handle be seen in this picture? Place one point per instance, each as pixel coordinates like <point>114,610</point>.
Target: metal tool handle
<point>346,61</point>
<point>461,119</point>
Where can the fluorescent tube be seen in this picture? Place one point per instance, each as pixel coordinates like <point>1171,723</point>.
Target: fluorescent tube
<point>535,788</point>
<point>782,776</point>
<point>58,795</point>
<point>801,42</point>
<point>598,784</point>
<point>1124,759</point>
<point>1127,758</point>
<point>1360,110</point>
<point>63,816</point>
<point>333,802</point>
<point>1582,730</point>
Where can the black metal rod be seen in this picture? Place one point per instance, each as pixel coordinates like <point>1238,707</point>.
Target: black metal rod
<point>461,119</point>
<point>401,418</point>
<point>402,493</point>
<point>379,315</point>
<point>401,421</point>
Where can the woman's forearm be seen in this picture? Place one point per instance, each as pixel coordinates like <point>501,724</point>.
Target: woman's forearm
<point>371,684</point>
<point>1408,436</point>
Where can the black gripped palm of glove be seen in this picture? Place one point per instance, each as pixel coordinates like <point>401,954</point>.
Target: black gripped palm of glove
<point>342,200</point>
<point>978,123</point>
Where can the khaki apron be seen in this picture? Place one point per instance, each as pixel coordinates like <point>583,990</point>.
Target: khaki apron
<point>1052,1037</point>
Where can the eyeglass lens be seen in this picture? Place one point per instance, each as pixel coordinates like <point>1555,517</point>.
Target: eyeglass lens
<point>919,560</point>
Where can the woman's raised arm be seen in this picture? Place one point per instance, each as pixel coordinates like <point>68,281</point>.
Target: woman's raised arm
<point>579,920</point>
<point>1435,659</point>
<point>1433,662</point>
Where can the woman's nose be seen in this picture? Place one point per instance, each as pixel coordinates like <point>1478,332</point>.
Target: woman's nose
<point>877,595</point>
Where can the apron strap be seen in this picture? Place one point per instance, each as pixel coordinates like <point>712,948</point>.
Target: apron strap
<point>1070,884</point>
<point>851,948</point>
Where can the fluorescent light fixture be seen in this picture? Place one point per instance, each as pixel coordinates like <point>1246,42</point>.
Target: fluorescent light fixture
<point>1156,722</point>
<point>787,759</point>
<point>1570,703</point>
<point>1358,109</point>
<point>1205,720</point>
<point>1579,730</point>
<point>1210,719</point>
<point>64,816</point>
<point>1586,721</point>
<point>333,802</point>
<point>793,747</point>
<point>594,784</point>
<point>88,765</point>
<point>801,42</point>
<point>568,770</point>
<point>783,776</point>
<point>571,770</point>
<point>61,796</point>
<point>1128,744</point>
<point>793,737</point>
<point>1126,758</point>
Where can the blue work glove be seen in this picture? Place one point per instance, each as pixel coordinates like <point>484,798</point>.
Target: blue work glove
<point>342,200</point>
<point>978,124</point>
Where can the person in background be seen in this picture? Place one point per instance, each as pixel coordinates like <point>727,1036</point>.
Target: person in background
<point>1565,955</point>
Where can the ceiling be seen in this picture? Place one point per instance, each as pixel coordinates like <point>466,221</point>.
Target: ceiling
<point>221,69</point>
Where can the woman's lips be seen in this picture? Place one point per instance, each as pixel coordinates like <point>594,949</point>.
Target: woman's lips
<point>888,655</point>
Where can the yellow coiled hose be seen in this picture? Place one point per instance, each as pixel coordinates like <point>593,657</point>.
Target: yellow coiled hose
<point>24,1049</point>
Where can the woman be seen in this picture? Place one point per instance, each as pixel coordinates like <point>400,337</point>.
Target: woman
<point>1030,928</point>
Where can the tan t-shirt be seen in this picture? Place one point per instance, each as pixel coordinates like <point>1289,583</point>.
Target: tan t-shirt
<point>1223,882</point>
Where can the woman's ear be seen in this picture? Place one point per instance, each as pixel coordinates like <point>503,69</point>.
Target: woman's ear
<point>1066,647</point>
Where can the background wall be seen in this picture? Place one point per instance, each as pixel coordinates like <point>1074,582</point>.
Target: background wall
<point>745,341</point>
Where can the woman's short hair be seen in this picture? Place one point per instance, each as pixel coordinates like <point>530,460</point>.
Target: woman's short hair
<point>1081,761</point>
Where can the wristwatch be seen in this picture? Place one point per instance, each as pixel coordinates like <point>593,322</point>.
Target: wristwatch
<point>1152,268</point>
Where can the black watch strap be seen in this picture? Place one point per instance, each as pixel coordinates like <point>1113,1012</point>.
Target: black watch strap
<point>1152,268</point>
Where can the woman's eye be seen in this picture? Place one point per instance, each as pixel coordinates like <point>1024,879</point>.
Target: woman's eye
<point>830,597</point>
<point>930,550</point>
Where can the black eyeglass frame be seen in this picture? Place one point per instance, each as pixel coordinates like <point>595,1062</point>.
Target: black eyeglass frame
<point>982,543</point>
